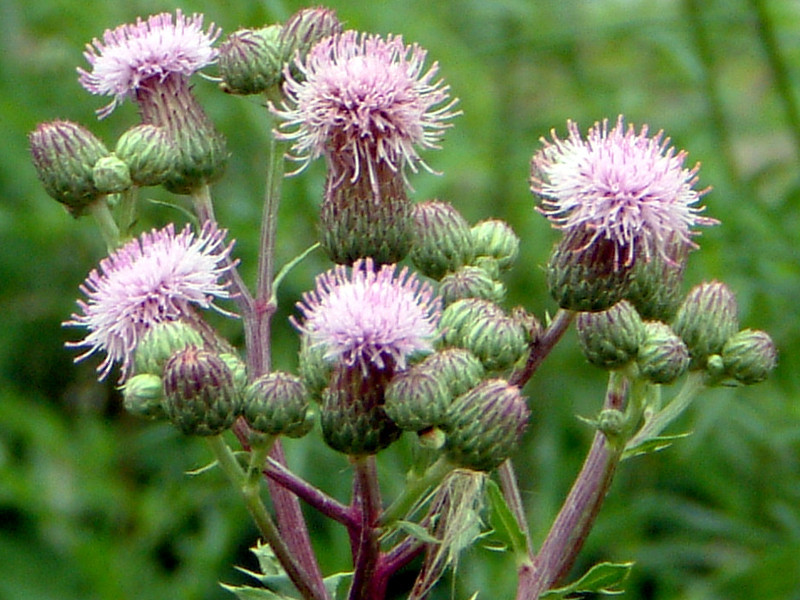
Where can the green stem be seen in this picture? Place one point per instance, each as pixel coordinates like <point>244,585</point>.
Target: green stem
<point>414,490</point>
<point>105,221</point>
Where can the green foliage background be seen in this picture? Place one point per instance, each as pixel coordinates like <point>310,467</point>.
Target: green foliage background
<point>96,505</point>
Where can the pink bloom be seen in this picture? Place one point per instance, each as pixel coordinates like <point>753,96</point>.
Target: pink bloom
<point>368,317</point>
<point>364,101</point>
<point>149,280</point>
<point>620,186</point>
<point>133,54</point>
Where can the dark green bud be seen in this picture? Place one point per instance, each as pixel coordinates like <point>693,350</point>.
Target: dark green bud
<point>485,425</point>
<point>663,357</point>
<point>64,154</point>
<point>142,395</point>
<point>610,339</point>
<point>251,61</point>
<point>417,399</point>
<point>200,396</point>
<point>749,356</point>
<point>457,368</point>
<point>111,175</point>
<point>277,404</point>
<point>160,342</point>
<point>656,283</point>
<point>443,240</point>
<point>470,282</point>
<point>149,153</point>
<point>495,239</point>
<point>705,320</point>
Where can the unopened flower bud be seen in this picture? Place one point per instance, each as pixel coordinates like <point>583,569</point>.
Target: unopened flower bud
<point>611,422</point>
<point>485,425</point>
<point>149,153</point>
<point>582,273</point>
<point>238,369</point>
<point>142,395</point>
<point>200,396</point>
<point>662,357</point>
<point>250,60</point>
<point>111,175</point>
<point>458,369</point>
<point>304,29</point>
<point>495,239</point>
<point>64,154</point>
<point>705,320</point>
<point>610,338</point>
<point>417,399</point>
<point>749,356</point>
<point>470,282</point>
<point>277,404</point>
<point>443,240</point>
<point>160,342</point>
<point>314,369</point>
<point>655,287</point>
<point>481,327</point>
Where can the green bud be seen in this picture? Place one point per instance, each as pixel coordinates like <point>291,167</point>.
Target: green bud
<point>705,320</point>
<point>485,425</point>
<point>749,356</point>
<point>443,240</point>
<point>303,30</point>
<point>160,342</point>
<point>200,396</point>
<point>64,154</point>
<point>149,153</point>
<point>142,395</point>
<point>663,357</point>
<point>495,239</point>
<point>354,224</point>
<point>457,368</point>
<point>238,369</point>
<point>470,282</point>
<point>277,404</point>
<point>655,287</point>
<point>582,274</point>
<point>111,175</point>
<point>417,399</point>
<point>250,60</point>
<point>610,339</point>
<point>314,369</point>
<point>611,422</point>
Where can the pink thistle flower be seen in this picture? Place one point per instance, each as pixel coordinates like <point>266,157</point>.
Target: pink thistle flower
<point>133,55</point>
<point>370,318</point>
<point>364,101</point>
<point>619,186</point>
<point>155,278</point>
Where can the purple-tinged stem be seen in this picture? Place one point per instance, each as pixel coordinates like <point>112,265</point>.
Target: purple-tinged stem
<point>542,347</point>
<point>367,501</point>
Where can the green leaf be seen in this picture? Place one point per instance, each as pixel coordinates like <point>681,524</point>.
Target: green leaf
<point>504,522</point>
<point>245,592</point>
<point>338,585</point>
<point>654,444</point>
<point>603,578</point>
<point>417,531</point>
<point>203,469</point>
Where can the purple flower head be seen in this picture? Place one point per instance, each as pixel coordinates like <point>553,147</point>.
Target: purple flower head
<point>133,54</point>
<point>620,186</point>
<point>363,317</point>
<point>149,280</point>
<point>364,101</point>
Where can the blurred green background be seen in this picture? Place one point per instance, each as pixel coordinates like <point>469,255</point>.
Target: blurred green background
<point>97,505</point>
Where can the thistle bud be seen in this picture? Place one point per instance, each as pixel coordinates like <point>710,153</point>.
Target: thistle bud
<point>662,357</point>
<point>457,368</point>
<point>304,29</point>
<point>443,240</point>
<point>655,287</point>
<point>160,342</point>
<point>495,239</point>
<point>355,224</point>
<point>64,154</point>
<point>485,425</point>
<point>142,395</point>
<point>314,370</point>
<point>610,338</point>
<point>417,399</point>
<point>277,404</point>
<point>481,327</point>
<point>251,61</point>
<point>470,282</point>
<point>705,320</point>
<point>111,175</point>
<point>148,152</point>
<point>238,369</point>
<point>200,396</point>
<point>749,356</point>
<point>583,274</point>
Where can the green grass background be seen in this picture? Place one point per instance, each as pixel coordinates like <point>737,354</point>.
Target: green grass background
<point>97,505</point>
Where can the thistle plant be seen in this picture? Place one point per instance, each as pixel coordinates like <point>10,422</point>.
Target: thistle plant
<point>406,333</point>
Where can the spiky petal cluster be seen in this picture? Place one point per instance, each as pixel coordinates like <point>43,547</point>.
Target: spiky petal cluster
<point>364,101</point>
<point>156,48</point>
<point>363,317</point>
<point>619,185</point>
<point>155,278</point>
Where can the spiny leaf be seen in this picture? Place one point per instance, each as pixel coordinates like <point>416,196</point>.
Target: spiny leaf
<point>602,578</point>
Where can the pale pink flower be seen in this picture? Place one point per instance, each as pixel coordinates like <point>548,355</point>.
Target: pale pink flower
<point>363,317</point>
<point>620,186</point>
<point>364,101</point>
<point>144,52</point>
<point>158,277</point>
